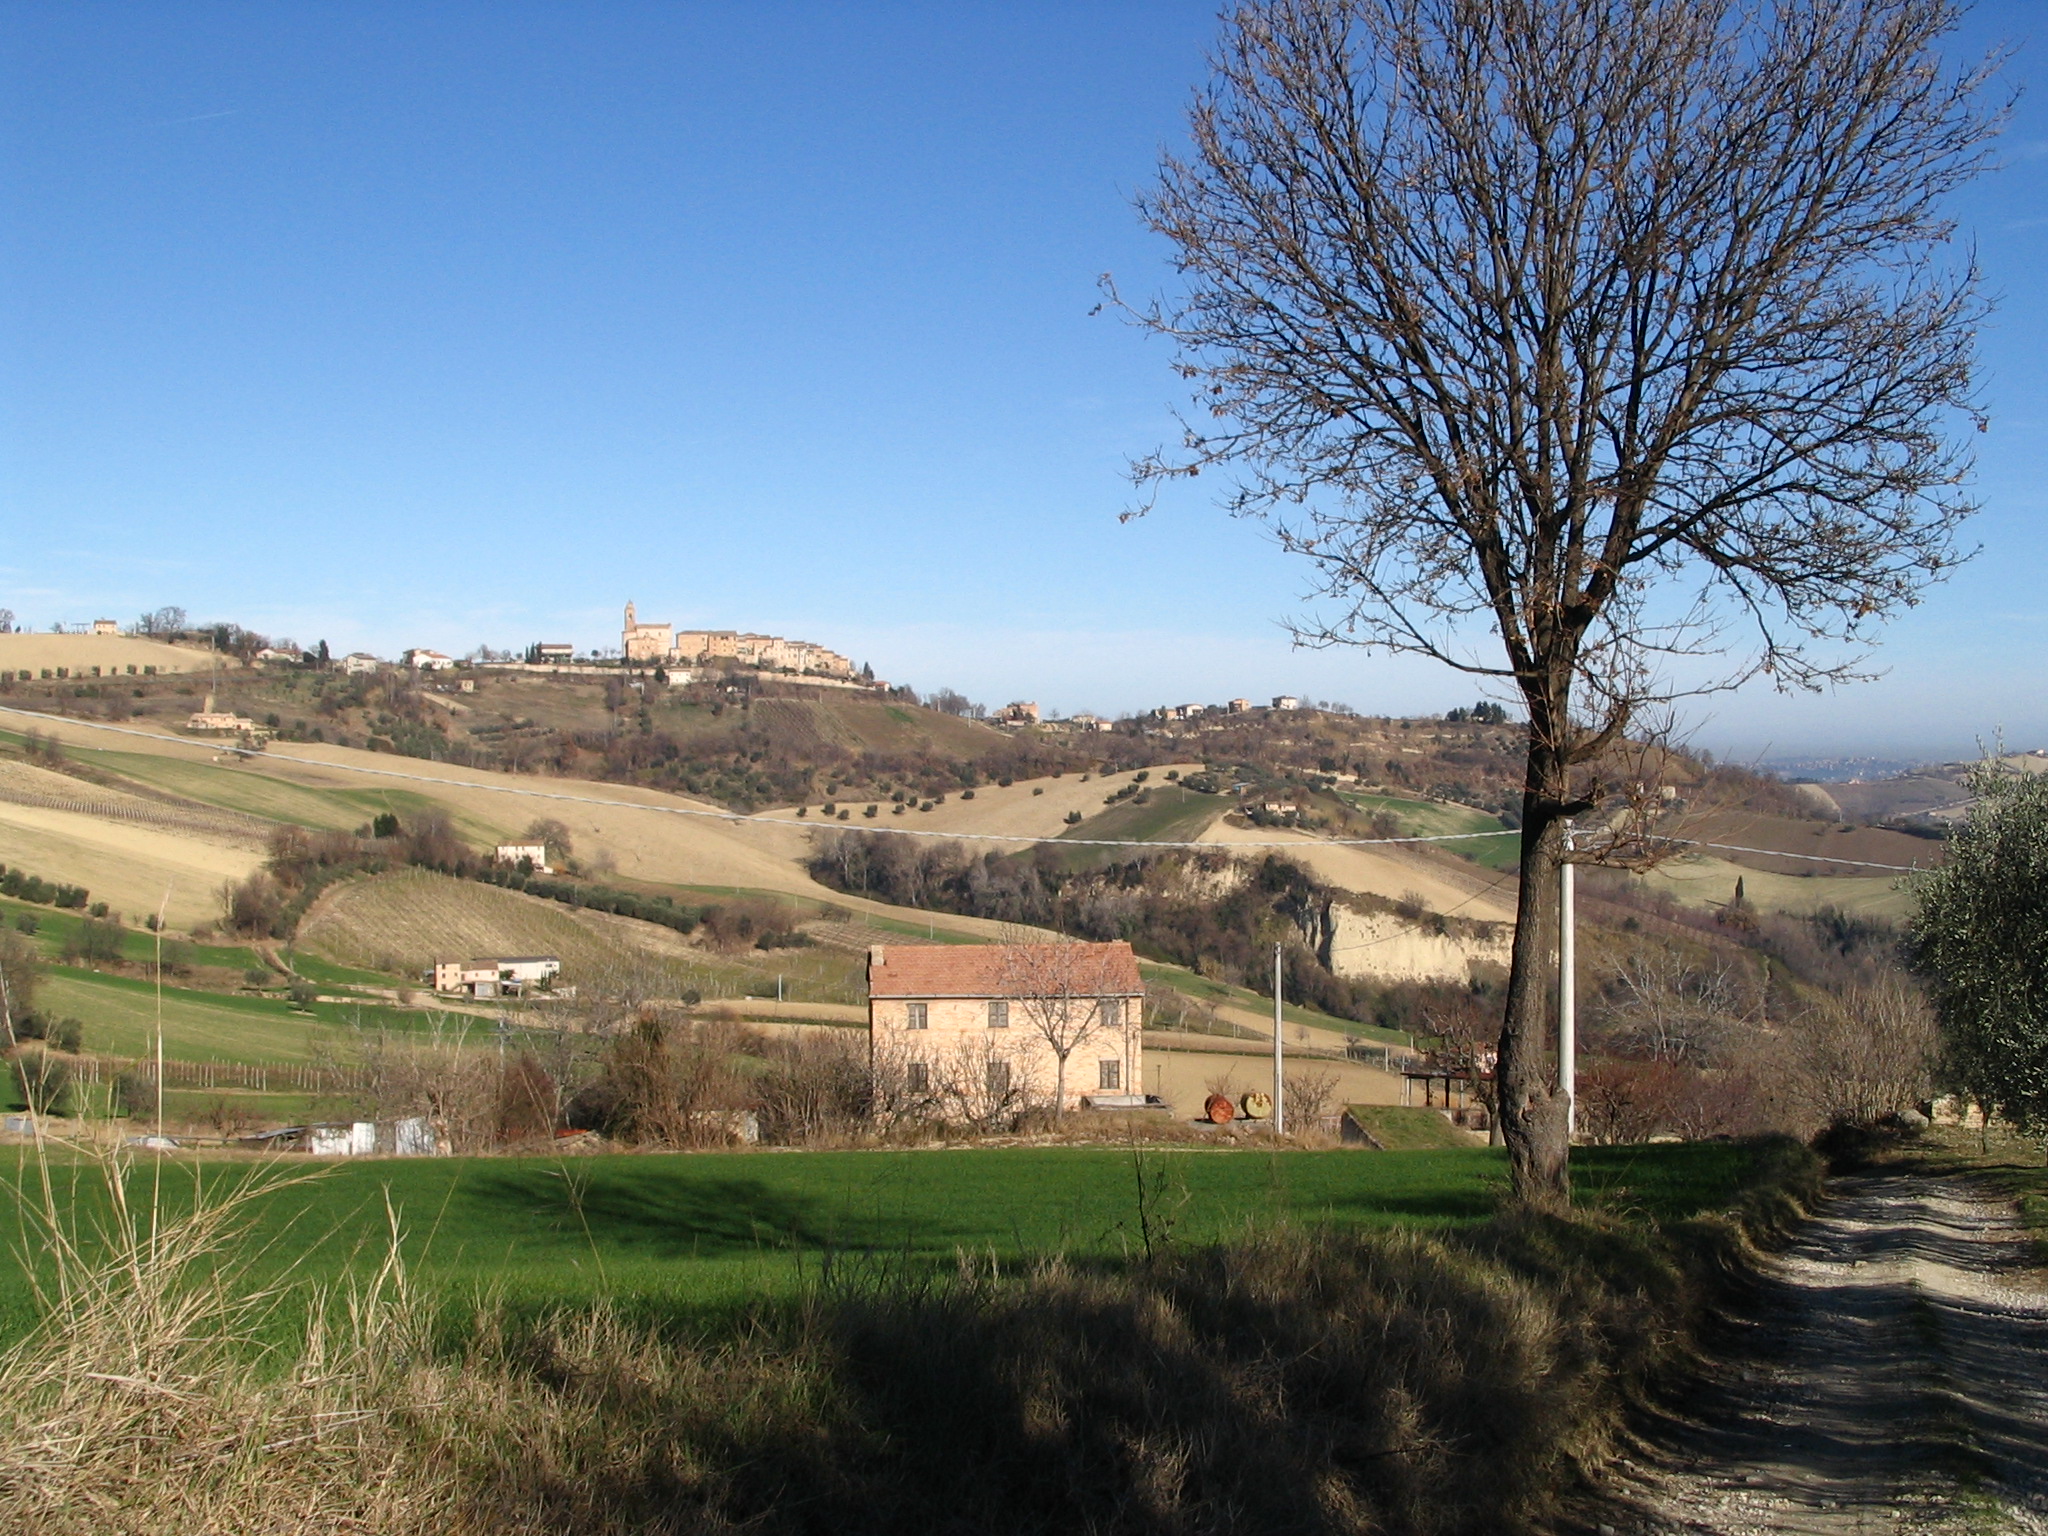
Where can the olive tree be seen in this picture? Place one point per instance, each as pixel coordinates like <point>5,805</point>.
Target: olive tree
<point>1981,938</point>
<point>1609,350</point>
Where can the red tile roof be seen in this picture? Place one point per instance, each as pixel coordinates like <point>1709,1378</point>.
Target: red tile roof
<point>1003,970</point>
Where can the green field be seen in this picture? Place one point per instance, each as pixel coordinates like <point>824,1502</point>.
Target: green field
<point>326,973</point>
<point>120,1014</point>
<point>55,928</point>
<point>1433,818</point>
<point>696,1234</point>
<point>1171,815</point>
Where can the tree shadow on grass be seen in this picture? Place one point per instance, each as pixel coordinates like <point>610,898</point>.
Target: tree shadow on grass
<point>637,1213</point>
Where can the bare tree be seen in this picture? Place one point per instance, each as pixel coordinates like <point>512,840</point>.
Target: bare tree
<point>1867,1054</point>
<point>979,1084</point>
<point>161,621</point>
<point>1062,992</point>
<point>1658,1004</point>
<point>553,834</point>
<point>1598,327</point>
<point>1310,1091</point>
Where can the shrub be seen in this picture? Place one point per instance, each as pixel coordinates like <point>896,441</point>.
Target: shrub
<point>22,972</point>
<point>135,1093</point>
<point>254,907</point>
<point>97,940</point>
<point>528,1100</point>
<point>44,1079</point>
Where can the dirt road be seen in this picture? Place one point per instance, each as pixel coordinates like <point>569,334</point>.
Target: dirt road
<point>1891,1375</point>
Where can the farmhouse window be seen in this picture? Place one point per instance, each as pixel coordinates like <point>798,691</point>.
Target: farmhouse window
<point>918,1075</point>
<point>916,1017</point>
<point>999,1015</point>
<point>1112,1010</point>
<point>1110,1076</point>
<point>999,1077</point>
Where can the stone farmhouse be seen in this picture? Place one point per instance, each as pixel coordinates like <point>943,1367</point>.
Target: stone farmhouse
<point>665,643</point>
<point>977,1029</point>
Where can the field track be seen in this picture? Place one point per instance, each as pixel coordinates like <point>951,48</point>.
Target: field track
<point>1892,1375</point>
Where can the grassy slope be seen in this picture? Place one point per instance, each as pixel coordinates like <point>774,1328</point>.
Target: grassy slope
<point>119,1013</point>
<point>1172,815</point>
<point>1433,818</point>
<point>54,927</point>
<point>1399,1128</point>
<point>709,1230</point>
<point>259,794</point>
<point>402,922</point>
<point>1202,989</point>
<point>1701,881</point>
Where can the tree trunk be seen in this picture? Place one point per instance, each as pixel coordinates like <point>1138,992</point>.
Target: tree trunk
<point>1532,1116</point>
<point>1059,1086</point>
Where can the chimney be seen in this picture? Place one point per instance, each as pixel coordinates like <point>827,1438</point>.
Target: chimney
<point>874,956</point>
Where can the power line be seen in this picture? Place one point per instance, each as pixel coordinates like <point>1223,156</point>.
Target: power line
<point>735,818</point>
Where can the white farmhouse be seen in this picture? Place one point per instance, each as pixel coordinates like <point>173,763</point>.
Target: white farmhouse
<point>509,976</point>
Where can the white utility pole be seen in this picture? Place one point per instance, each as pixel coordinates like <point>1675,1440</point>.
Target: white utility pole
<point>1567,987</point>
<point>1279,1082</point>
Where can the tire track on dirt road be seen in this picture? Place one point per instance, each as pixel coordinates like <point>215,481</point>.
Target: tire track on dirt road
<point>1890,1374</point>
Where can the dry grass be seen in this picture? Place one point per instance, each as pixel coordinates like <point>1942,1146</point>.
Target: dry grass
<point>401,922</point>
<point>1290,1382</point>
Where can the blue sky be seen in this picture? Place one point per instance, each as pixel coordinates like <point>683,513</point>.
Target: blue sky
<point>450,324</point>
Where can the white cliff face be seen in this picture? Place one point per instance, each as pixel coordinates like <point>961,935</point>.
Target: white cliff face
<point>1387,947</point>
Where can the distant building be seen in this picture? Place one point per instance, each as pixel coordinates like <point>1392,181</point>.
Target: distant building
<point>512,853</point>
<point>774,653</point>
<point>1023,712</point>
<point>1239,706</point>
<point>105,627</point>
<point>422,660</point>
<point>219,722</point>
<point>646,642</point>
<point>270,655</point>
<point>1087,722</point>
<point>506,977</point>
<point>545,651</point>
<point>1286,701</point>
<point>356,663</point>
<point>770,652</point>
